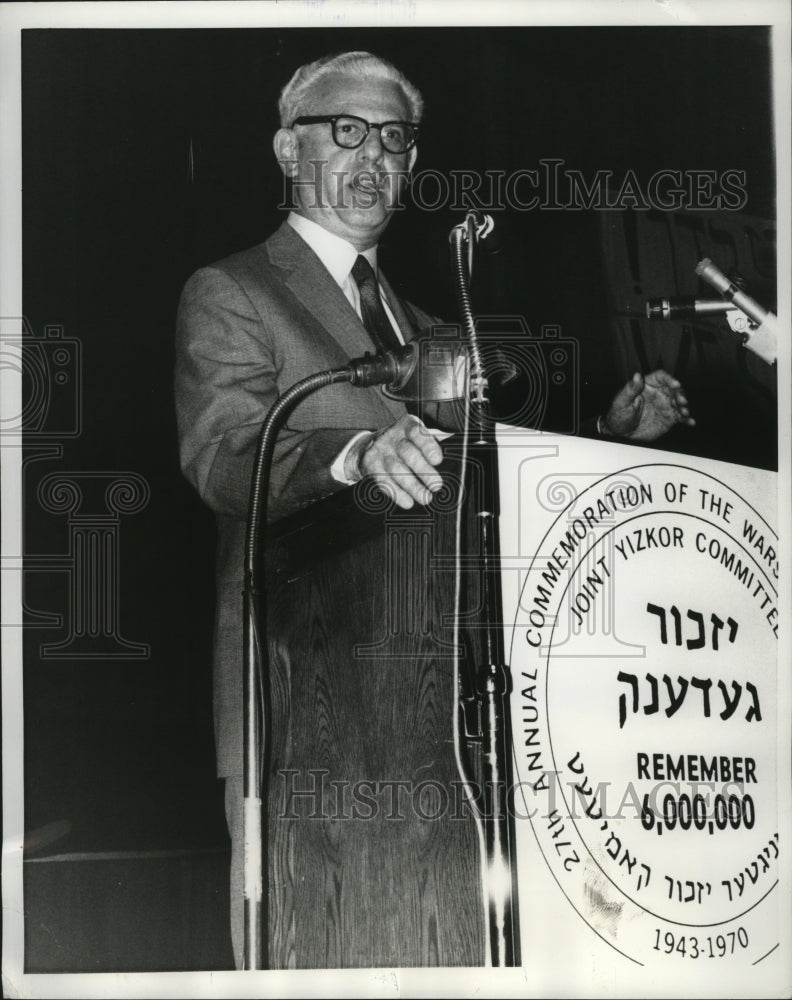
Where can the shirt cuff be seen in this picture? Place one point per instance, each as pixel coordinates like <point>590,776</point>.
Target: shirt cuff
<point>337,470</point>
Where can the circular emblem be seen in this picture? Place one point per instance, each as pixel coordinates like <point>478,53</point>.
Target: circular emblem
<point>643,658</point>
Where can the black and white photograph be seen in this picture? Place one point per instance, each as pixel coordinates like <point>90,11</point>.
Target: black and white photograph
<point>396,499</point>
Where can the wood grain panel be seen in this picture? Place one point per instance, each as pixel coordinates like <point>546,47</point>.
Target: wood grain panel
<point>376,864</point>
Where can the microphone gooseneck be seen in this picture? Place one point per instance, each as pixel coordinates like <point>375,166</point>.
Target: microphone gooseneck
<point>257,709</point>
<point>396,369</point>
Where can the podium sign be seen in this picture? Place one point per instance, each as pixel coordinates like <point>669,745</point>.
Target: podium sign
<point>641,615</point>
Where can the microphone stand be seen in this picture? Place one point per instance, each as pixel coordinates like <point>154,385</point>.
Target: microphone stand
<point>757,326</point>
<point>401,372</point>
<point>492,677</point>
<point>257,708</point>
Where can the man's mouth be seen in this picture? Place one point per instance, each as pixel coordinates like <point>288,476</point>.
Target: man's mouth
<point>368,188</point>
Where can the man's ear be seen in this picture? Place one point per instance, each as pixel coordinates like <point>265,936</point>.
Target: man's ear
<point>285,146</point>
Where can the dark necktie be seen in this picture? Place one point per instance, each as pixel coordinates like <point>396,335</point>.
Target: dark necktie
<point>375,319</point>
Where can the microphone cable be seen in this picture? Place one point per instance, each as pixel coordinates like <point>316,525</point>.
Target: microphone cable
<point>462,768</point>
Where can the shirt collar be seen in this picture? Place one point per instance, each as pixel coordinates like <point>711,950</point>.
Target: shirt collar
<point>337,255</point>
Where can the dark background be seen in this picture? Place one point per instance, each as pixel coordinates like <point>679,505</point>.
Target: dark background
<point>148,154</point>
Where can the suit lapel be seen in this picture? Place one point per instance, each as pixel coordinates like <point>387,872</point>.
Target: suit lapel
<point>310,281</point>
<point>313,285</point>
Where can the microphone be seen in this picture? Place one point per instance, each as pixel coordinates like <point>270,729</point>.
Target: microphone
<point>378,369</point>
<point>427,369</point>
<point>713,276</point>
<point>763,339</point>
<point>485,232</point>
<point>682,307</point>
<point>761,334</point>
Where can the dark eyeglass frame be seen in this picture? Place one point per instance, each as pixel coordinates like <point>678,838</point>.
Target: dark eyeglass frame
<point>332,119</point>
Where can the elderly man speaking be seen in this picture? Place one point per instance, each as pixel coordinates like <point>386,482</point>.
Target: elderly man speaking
<point>307,299</point>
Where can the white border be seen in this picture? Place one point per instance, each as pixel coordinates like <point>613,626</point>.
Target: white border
<point>332,13</point>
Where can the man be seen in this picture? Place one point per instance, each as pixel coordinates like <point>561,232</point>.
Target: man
<point>252,325</point>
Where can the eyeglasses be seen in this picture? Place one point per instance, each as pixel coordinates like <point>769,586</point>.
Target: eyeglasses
<point>349,131</point>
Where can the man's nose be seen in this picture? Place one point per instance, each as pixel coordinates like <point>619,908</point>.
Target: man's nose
<point>371,149</point>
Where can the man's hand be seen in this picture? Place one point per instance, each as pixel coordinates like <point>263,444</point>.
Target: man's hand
<point>401,460</point>
<point>646,408</point>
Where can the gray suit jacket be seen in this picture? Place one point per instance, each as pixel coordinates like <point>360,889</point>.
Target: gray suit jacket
<point>248,328</point>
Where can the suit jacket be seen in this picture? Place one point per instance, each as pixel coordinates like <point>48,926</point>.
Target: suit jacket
<point>248,328</point>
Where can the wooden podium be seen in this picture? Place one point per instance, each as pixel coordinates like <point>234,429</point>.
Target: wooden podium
<point>373,853</point>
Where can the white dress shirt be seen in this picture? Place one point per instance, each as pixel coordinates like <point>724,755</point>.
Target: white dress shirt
<point>339,258</point>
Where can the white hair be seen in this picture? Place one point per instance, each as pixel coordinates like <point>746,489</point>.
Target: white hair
<point>362,64</point>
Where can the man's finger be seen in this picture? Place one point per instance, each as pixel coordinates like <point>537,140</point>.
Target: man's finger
<point>404,484</point>
<point>428,445</point>
<point>393,491</point>
<point>628,393</point>
<point>385,464</point>
<point>662,378</point>
<point>417,462</point>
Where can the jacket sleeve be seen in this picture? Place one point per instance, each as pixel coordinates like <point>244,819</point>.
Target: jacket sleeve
<point>225,384</point>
